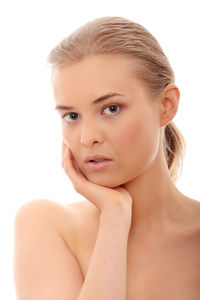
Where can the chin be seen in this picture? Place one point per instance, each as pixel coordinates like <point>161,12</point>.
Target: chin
<point>110,181</point>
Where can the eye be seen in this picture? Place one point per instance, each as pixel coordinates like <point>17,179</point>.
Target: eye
<point>68,114</point>
<point>73,114</point>
<point>113,108</point>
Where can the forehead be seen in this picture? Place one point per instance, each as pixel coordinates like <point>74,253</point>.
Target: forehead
<point>95,76</point>
<point>98,67</point>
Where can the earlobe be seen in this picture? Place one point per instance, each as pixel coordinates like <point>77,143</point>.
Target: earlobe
<point>169,104</point>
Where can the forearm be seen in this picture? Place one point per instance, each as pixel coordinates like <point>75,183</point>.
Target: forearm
<point>106,276</point>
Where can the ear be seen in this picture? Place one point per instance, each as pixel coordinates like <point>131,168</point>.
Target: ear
<point>169,103</point>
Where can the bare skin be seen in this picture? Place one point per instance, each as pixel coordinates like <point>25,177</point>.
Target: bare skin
<point>164,238</point>
<point>136,236</point>
<point>131,137</point>
<point>163,266</point>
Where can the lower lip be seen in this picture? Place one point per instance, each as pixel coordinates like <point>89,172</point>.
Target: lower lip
<point>98,165</point>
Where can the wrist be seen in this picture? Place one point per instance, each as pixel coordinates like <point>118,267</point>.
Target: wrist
<point>115,221</point>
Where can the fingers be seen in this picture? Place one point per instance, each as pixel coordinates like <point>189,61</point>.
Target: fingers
<point>64,146</point>
<point>100,196</point>
<point>63,151</point>
<point>80,183</point>
<point>72,169</point>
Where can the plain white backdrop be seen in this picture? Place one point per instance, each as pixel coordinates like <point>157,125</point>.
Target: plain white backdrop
<point>30,160</point>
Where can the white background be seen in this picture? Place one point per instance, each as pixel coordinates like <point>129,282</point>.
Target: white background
<point>30,160</point>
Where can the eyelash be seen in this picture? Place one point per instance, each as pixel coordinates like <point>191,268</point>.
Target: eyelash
<point>66,114</point>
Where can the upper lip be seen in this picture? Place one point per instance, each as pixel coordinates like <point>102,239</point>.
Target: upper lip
<point>93,157</point>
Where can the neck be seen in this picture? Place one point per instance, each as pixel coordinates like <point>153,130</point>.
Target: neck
<point>156,200</point>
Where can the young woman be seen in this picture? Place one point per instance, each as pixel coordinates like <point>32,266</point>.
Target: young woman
<point>135,236</point>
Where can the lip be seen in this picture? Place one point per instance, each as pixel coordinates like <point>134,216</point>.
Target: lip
<point>97,156</point>
<point>98,165</point>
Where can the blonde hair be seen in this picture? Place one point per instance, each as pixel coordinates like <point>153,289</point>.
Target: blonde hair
<point>117,35</point>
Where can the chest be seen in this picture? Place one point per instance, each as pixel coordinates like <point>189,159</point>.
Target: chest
<point>168,268</point>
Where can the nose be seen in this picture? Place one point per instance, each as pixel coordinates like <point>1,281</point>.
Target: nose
<point>90,134</point>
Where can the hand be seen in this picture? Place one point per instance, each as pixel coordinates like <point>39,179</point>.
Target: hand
<point>105,199</point>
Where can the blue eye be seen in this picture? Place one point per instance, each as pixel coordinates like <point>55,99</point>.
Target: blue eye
<point>73,114</point>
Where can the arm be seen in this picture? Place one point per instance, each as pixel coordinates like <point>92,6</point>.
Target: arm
<point>106,276</point>
<point>46,269</point>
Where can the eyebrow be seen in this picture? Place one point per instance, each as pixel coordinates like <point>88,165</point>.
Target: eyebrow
<point>98,100</point>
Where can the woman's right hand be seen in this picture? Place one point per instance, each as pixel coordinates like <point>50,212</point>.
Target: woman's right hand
<point>108,200</point>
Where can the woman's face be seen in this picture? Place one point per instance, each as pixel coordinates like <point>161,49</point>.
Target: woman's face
<point>123,128</point>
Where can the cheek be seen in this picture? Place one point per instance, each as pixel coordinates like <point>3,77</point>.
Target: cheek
<point>139,141</point>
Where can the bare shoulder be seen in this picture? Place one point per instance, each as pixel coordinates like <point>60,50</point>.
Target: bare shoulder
<point>48,209</point>
<point>71,220</point>
<point>193,213</point>
<point>45,210</point>
<point>194,207</point>
<point>41,227</point>
<point>48,213</point>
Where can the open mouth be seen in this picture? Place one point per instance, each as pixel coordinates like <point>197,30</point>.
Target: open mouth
<point>99,160</point>
<point>98,164</point>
